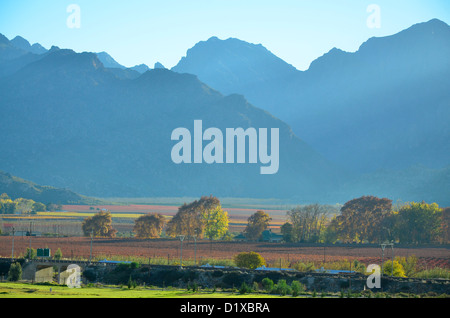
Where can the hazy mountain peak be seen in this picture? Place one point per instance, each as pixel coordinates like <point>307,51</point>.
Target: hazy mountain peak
<point>66,59</point>
<point>141,68</point>
<point>213,38</point>
<point>21,43</point>
<point>54,48</point>
<point>225,64</point>
<point>108,61</point>
<point>418,35</point>
<point>3,39</point>
<point>158,65</point>
<point>38,49</point>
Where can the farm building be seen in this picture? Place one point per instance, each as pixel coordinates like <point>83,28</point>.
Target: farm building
<point>269,236</point>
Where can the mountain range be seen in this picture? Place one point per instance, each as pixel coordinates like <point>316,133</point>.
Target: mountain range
<point>385,106</point>
<point>369,122</point>
<point>16,187</point>
<point>70,122</point>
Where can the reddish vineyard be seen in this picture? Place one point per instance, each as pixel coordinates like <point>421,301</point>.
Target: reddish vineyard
<point>272,252</point>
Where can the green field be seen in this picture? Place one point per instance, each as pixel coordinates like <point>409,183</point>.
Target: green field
<point>24,290</point>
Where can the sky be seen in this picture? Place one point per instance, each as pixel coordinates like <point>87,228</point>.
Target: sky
<point>137,31</point>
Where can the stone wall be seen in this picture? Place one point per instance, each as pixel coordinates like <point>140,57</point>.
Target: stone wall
<point>164,276</point>
<point>229,278</point>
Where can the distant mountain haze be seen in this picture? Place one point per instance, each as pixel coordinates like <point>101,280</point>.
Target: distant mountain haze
<point>372,122</point>
<point>16,188</point>
<point>385,106</point>
<point>82,127</point>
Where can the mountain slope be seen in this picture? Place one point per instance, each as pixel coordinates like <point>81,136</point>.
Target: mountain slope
<point>82,126</point>
<point>234,66</point>
<point>19,188</point>
<point>385,106</point>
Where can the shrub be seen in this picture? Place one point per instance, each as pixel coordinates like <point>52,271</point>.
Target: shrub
<point>250,260</point>
<point>267,284</point>
<point>297,288</point>
<point>282,288</point>
<point>434,273</point>
<point>15,272</point>
<point>134,265</point>
<point>304,267</point>
<point>58,254</point>
<point>409,264</point>
<point>398,269</point>
<point>245,289</point>
<point>131,283</point>
<point>192,286</point>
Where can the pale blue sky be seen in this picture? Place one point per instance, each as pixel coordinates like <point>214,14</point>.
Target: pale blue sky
<point>138,31</point>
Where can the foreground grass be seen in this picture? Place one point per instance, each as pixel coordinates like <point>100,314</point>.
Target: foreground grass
<point>28,290</point>
<point>24,290</point>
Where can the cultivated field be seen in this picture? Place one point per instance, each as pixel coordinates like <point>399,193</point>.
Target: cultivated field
<point>67,235</point>
<point>166,249</point>
<point>68,221</point>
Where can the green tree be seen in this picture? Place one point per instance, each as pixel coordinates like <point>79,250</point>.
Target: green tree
<point>282,288</point>
<point>100,225</point>
<point>149,225</point>
<point>287,230</point>
<point>215,222</point>
<point>297,288</point>
<point>30,253</point>
<point>15,272</point>
<point>418,223</point>
<point>267,284</point>
<point>58,254</point>
<point>39,207</point>
<point>7,206</point>
<point>257,223</point>
<point>250,260</point>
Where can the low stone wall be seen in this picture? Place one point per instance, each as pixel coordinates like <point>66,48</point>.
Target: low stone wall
<point>164,276</point>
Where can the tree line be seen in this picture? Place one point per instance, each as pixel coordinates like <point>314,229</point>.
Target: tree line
<point>203,218</point>
<point>23,206</point>
<point>367,219</point>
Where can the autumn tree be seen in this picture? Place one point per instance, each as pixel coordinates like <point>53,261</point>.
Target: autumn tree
<point>189,219</point>
<point>100,225</point>
<point>364,219</point>
<point>308,222</point>
<point>149,225</point>
<point>257,223</point>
